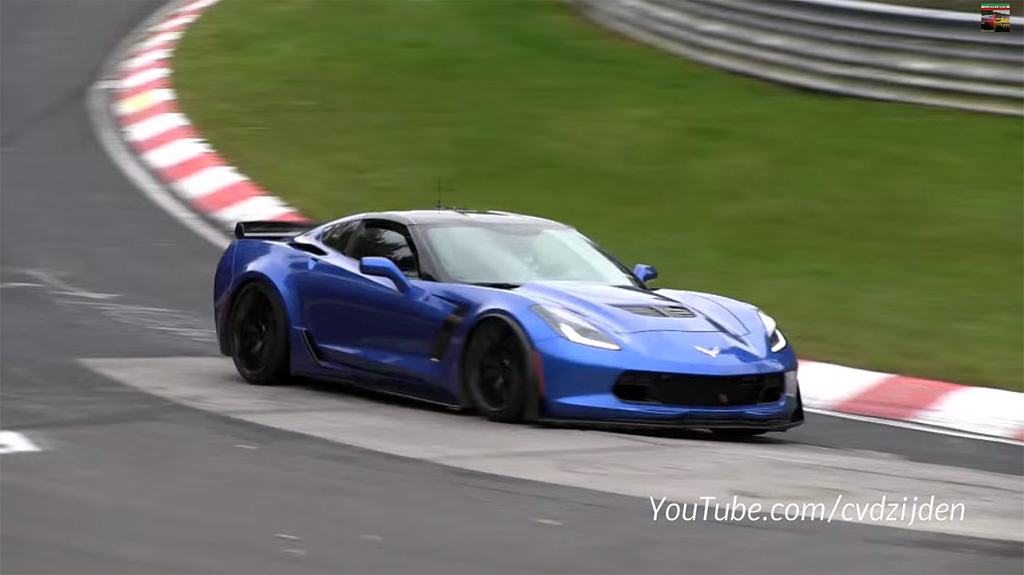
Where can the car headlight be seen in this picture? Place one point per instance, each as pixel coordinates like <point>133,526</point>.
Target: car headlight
<point>776,341</point>
<point>574,328</point>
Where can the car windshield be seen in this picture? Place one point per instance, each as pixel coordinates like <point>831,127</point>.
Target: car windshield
<point>514,254</point>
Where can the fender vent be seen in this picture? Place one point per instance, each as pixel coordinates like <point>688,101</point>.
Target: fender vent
<point>308,248</point>
<point>311,346</point>
<point>658,310</point>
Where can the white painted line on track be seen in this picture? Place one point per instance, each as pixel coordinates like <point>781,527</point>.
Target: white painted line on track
<point>914,426</point>
<point>169,321</point>
<point>108,84</point>
<point>61,287</point>
<point>14,442</point>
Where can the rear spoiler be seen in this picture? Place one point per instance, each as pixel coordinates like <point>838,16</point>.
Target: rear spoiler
<point>269,230</point>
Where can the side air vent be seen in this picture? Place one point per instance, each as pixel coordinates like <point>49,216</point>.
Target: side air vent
<point>658,311</point>
<point>309,248</point>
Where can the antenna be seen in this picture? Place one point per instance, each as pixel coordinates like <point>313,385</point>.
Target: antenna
<point>438,195</point>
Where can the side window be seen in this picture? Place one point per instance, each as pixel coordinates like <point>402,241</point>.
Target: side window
<point>337,238</point>
<point>375,240</point>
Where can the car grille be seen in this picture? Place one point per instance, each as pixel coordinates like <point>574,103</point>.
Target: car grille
<point>699,390</point>
<point>658,310</point>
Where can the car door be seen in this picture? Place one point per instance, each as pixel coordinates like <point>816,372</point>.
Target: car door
<point>365,322</point>
<point>322,287</point>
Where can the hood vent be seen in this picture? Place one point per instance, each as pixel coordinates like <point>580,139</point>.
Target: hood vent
<point>658,310</point>
<point>676,311</point>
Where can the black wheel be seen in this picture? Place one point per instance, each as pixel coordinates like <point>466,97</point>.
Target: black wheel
<point>259,336</point>
<point>496,371</point>
<point>737,433</point>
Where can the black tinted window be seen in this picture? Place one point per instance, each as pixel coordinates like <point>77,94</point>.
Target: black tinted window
<point>337,238</point>
<point>382,242</point>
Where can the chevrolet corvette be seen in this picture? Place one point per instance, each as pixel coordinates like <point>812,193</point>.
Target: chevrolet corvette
<point>515,317</point>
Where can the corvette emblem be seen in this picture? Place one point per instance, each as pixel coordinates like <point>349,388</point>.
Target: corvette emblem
<point>713,352</point>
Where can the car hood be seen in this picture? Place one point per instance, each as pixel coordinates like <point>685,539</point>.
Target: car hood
<point>623,310</point>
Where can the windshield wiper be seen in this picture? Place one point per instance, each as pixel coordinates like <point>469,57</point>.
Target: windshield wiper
<point>498,285</point>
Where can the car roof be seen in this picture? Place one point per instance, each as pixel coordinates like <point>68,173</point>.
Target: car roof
<point>457,215</point>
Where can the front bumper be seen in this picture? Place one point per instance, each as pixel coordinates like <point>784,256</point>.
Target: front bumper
<point>577,383</point>
<point>684,423</point>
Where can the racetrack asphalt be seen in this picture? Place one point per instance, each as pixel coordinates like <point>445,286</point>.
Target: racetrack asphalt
<point>129,482</point>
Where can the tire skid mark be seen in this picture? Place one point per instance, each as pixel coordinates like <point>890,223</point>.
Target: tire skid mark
<point>177,323</point>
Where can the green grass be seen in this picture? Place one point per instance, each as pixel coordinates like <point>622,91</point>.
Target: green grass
<point>884,236</point>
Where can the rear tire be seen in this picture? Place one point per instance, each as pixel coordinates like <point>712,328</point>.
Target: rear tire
<point>259,331</point>
<point>497,373</point>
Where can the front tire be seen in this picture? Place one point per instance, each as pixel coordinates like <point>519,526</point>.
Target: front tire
<point>259,336</point>
<point>497,373</point>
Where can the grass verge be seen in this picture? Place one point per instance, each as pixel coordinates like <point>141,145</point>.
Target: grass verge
<point>884,236</point>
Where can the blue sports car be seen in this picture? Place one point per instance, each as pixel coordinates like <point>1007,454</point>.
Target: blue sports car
<point>517,317</point>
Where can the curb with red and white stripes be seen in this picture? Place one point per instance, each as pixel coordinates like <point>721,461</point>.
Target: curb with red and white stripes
<point>164,141</point>
<point>854,392</point>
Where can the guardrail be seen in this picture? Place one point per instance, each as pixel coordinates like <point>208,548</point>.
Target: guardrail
<point>850,47</point>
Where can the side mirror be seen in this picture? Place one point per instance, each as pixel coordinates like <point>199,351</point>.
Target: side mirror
<point>383,267</point>
<point>645,272</point>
